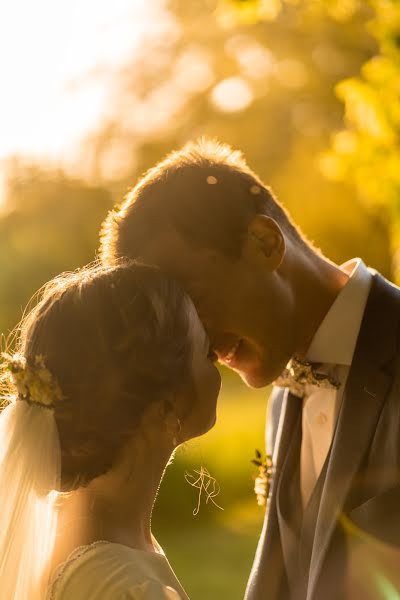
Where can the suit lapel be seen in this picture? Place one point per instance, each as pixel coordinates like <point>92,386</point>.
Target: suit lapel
<point>269,559</point>
<point>365,392</point>
<point>290,410</point>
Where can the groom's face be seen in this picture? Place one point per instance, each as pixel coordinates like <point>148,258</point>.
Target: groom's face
<point>242,303</point>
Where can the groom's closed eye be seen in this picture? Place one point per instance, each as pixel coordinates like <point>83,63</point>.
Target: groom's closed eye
<point>211,355</point>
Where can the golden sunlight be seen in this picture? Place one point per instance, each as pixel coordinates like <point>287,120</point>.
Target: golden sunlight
<point>57,62</point>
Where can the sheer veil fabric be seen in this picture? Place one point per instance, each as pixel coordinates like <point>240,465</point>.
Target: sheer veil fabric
<point>30,469</point>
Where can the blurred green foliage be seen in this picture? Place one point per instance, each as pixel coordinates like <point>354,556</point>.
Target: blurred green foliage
<point>366,152</point>
<point>50,224</point>
<point>290,63</point>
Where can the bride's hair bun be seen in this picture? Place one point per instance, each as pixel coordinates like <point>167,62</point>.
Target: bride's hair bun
<point>116,339</point>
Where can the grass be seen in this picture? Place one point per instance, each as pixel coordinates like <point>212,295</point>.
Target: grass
<point>212,562</point>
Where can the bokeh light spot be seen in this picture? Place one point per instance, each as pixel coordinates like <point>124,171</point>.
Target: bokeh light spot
<point>193,72</point>
<point>255,189</point>
<point>255,61</point>
<point>232,95</point>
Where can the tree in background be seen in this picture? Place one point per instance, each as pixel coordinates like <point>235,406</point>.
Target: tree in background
<point>257,74</point>
<point>366,151</point>
<point>50,225</point>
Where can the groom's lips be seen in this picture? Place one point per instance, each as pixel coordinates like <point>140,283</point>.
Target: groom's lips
<point>228,357</point>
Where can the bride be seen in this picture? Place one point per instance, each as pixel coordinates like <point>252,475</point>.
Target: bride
<point>112,372</point>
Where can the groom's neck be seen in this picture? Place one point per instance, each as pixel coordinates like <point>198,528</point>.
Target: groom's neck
<point>316,283</point>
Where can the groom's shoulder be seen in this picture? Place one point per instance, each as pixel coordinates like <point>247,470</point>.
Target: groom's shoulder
<point>380,328</point>
<point>383,286</point>
<point>383,300</point>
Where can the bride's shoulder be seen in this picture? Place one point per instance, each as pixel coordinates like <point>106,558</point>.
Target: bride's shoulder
<point>151,590</point>
<point>105,570</point>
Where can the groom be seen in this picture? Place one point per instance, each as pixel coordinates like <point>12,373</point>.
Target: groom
<point>267,296</point>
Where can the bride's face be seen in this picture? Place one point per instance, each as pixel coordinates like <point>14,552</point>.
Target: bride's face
<point>201,399</point>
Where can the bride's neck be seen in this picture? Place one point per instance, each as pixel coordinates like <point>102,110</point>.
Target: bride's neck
<point>116,506</point>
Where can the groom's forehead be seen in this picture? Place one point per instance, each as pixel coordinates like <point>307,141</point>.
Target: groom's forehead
<point>178,257</point>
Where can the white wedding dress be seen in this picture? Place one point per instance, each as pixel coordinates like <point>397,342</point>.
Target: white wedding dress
<point>110,571</point>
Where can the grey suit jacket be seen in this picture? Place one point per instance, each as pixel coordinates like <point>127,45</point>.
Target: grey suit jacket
<point>356,545</point>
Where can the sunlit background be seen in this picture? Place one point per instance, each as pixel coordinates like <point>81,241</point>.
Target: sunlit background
<point>93,93</point>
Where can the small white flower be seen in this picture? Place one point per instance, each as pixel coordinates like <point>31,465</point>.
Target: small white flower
<point>33,382</point>
<point>255,189</point>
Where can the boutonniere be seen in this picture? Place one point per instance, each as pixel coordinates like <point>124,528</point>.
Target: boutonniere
<point>262,483</point>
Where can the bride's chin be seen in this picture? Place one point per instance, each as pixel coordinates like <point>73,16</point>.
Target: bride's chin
<point>212,423</point>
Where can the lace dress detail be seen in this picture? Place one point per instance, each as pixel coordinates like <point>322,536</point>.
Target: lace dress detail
<point>110,570</point>
<point>60,570</point>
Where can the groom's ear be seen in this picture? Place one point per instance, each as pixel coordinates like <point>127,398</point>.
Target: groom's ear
<point>265,241</point>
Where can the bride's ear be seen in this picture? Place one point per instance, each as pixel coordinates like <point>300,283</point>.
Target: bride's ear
<point>173,427</point>
<point>169,416</point>
<point>158,413</point>
<point>265,242</point>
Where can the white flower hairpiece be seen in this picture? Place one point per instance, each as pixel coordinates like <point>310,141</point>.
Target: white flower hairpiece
<point>33,382</point>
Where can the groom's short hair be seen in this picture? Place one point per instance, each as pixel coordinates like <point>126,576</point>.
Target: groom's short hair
<point>205,192</point>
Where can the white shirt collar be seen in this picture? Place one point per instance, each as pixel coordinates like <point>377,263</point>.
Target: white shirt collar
<point>336,337</point>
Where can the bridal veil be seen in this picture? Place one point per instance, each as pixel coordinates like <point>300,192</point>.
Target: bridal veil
<point>30,462</point>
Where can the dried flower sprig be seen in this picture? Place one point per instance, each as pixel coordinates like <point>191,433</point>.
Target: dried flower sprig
<point>263,481</point>
<point>205,482</point>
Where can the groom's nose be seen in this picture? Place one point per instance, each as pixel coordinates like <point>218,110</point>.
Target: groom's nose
<point>225,348</point>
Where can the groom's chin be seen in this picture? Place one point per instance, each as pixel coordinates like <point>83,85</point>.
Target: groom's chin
<point>258,378</point>
<point>255,380</point>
